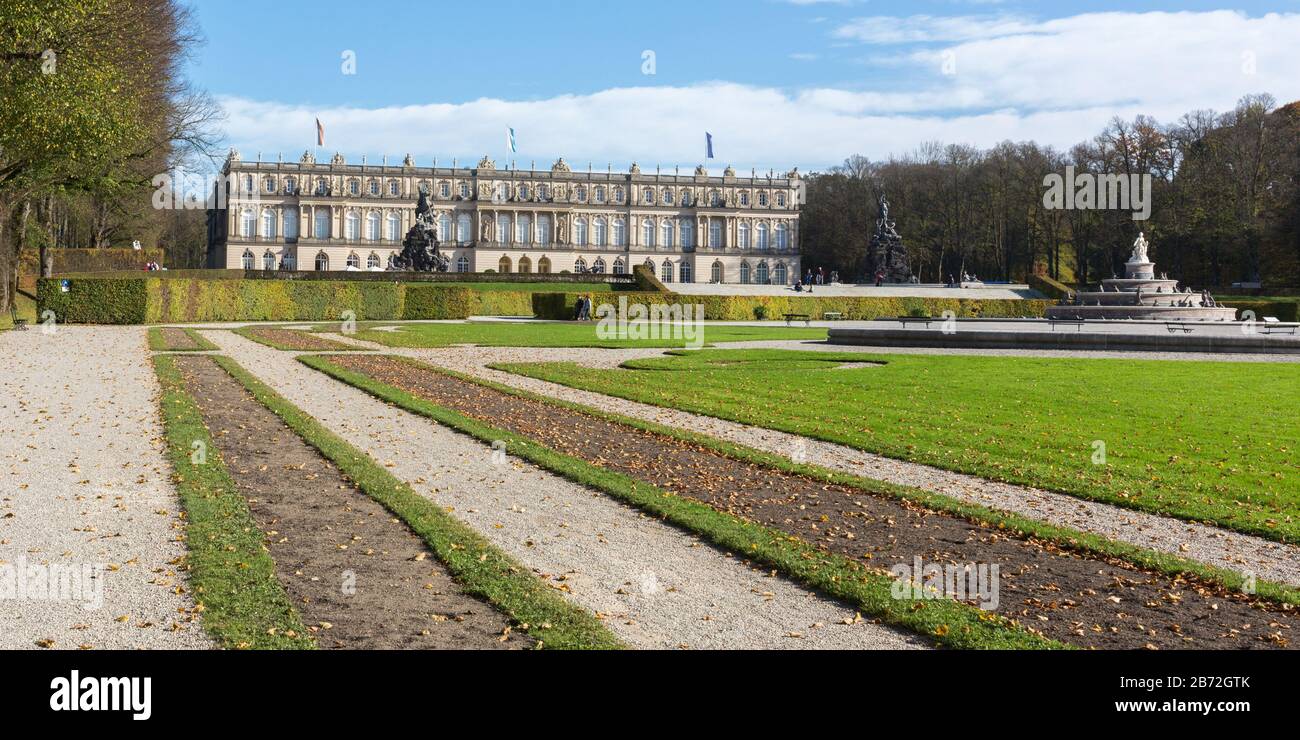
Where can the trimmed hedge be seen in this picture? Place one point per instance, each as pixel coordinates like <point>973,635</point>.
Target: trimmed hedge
<point>505,302</point>
<point>560,306</point>
<point>94,301</point>
<point>747,308</point>
<point>1049,287</point>
<point>433,302</point>
<point>646,280</point>
<point>178,300</point>
<point>67,259</point>
<point>1284,310</point>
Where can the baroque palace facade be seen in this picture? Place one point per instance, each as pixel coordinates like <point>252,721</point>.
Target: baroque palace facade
<point>339,216</point>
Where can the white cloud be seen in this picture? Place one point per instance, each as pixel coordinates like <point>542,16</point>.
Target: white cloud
<point>927,28</point>
<point>1057,82</point>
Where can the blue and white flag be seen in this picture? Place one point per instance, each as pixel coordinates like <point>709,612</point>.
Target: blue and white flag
<point>708,143</point>
<point>510,140</point>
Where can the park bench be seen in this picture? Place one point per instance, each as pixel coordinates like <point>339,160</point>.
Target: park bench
<point>832,315</point>
<point>923,319</point>
<point>19,324</point>
<point>805,318</point>
<point>1076,323</point>
<point>1271,326</point>
<point>1175,326</point>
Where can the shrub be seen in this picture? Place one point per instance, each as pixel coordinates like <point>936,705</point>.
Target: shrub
<point>1284,310</point>
<point>560,306</point>
<point>93,301</point>
<point>438,302</point>
<point>504,303</point>
<point>760,312</point>
<point>646,280</point>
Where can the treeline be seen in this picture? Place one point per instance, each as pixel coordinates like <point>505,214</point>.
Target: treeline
<point>1225,204</point>
<point>94,105</point>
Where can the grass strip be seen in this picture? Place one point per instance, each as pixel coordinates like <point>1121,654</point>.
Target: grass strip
<point>1066,538</point>
<point>480,567</point>
<point>158,341</point>
<point>231,574</point>
<point>950,623</point>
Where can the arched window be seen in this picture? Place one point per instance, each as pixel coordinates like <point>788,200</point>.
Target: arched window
<point>268,223</point>
<point>291,223</point>
<point>762,273</point>
<point>580,232</point>
<point>744,273</point>
<point>648,232</point>
<point>619,267</point>
<point>268,260</point>
<point>354,260</point>
<point>598,267</point>
<point>688,233</point>
<point>779,273</point>
<point>666,274</point>
<point>620,232</point>
<point>580,265</point>
<point>650,265</point>
<point>372,262</point>
<point>372,226</point>
<point>684,270</point>
<point>322,262</point>
<point>289,261</point>
<point>503,266</point>
<point>544,266</point>
<point>715,274</point>
<point>464,230</point>
<point>444,228</point>
<point>543,230</point>
<point>762,237</point>
<point>352,224</point>
<point>322,223</point>
<point>525,265</point>
<point>742,236</point>
<point>601,232</point>
<point>668,234</point>
<point>504,229</point>
<point>248,260</point>
<point>715,234</point>
<point>248,223</point>
<point>782,236</point>
<point>462,264</point>
<point>394,227</point>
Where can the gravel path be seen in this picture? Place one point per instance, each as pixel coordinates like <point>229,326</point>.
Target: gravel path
<point>655,586</point>
<point>84,483</point>
<point>1207,544</point>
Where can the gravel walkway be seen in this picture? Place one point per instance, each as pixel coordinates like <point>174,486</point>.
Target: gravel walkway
<point>1207,544</point>
<point>84,483</point>
<point>655,586</point>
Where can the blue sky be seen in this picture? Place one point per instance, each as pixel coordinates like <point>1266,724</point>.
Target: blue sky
<point>778,82</point>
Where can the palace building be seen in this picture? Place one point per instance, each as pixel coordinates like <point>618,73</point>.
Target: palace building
<point>340,216</point>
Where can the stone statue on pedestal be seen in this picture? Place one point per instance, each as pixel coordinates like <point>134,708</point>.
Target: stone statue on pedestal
<point>1139,249</point>
<point>886,256</point>
<point>420,247</point>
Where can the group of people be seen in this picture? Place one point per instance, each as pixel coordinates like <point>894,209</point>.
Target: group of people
<point>965,278</point>
<point>582,309</point>
<point>811,278</point>
<point>152,266</point>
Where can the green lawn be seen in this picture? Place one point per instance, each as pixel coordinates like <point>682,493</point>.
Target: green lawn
<point>557,335</point>
<point>1206,441</point>
<point>26,307</point>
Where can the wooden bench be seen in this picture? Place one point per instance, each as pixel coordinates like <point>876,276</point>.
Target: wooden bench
<point>19,324</point>
<point>1076,323</point>
<point>805,318</point>
<point>1175,326</point>
<point>923,319</point>
<point>1272,325</point>
<point>832,315</point>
